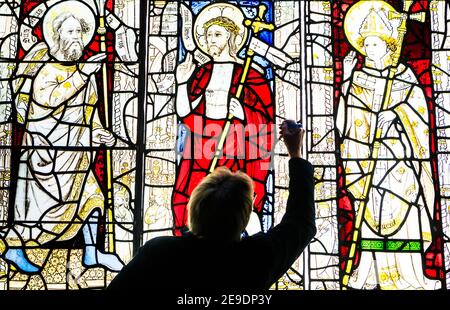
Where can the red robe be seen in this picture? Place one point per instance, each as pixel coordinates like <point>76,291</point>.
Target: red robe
<point>257,102</point>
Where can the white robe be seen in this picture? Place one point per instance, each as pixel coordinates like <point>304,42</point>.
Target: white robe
<point>56,189</point>
<point>400,201</point>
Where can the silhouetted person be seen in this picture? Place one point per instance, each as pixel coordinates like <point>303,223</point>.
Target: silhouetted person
<point>212,254</point>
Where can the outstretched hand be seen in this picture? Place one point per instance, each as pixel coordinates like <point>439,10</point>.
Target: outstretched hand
<point>349,64</point>
<point>93,64</point>
<point>185,69</point>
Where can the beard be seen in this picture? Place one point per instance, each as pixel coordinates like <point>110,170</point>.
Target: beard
<point>72,49</point>
<point>215,51</point>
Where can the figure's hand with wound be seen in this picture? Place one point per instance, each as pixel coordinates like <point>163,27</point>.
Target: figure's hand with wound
<point>292,134</point>
<point>349,64</point>
<point>185,69</point>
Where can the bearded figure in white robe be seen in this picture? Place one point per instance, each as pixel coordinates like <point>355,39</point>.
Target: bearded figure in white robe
<point>396,227</point>
<point>57,192</point>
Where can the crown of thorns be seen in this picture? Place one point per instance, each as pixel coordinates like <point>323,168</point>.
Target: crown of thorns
<point>224,22</point>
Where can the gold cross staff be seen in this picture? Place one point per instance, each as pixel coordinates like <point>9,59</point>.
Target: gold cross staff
<point>101,30</point>
<point>256,25</point>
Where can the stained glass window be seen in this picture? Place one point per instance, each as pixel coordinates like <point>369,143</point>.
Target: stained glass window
<point>383,217</point>
<point>69,103</point>
<point>112,111</point>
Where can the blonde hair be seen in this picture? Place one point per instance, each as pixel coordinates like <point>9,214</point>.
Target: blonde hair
<point>220,206</point>
<point>391,43</point>
<point>224,22</point>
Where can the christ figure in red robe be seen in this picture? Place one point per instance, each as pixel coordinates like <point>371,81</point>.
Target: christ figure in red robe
<point>205,96</point>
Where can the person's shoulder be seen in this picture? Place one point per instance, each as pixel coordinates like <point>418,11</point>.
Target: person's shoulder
<point>161,241</point>
<point>254,241</point>
<point>38,52</point>
<point>405,73</point>
<point>257,245</point>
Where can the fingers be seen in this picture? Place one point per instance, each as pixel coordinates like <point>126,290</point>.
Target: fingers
<point>292,135</point>
<point>191,63</point>
<point>350,56</point>
<point>188,58</point>
<point>384,125</point>
<point>290,128</point>
<point>191,67</point>
<point>104,136</point>
<point>234,104</point>
<point>101,56</point>
<point>385,118</point>
<point>103,133</point>
<point>236,109</point>
<point>109,142</point>
<point>188,65</point>
<point>383,121</point>
<point>97,67</point>
<point>97,57</point>
<point>107,139</point>
<point>283,128</point>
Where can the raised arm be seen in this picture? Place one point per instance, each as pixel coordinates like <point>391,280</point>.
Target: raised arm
<point>288,239</point>
<point>184,73</point>
<point>55,91</point>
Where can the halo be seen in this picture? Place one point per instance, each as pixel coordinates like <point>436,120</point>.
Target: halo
<point>215,10</point>
<point>78,9</point>
<point>355,17</point>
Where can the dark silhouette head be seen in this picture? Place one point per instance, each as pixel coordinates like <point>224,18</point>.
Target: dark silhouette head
<point>220,206</point>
